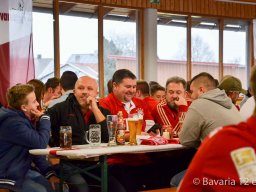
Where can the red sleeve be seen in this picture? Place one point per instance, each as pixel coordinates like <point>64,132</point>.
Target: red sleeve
<point>213,163</point>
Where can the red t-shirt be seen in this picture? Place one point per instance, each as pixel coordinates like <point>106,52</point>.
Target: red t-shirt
<point>223,159</point>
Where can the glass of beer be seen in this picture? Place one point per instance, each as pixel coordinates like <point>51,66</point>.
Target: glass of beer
<point>65,137</point>
<point>133,122</point>
<point>139,127</point>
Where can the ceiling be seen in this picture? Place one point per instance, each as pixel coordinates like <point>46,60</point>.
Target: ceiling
<point>124,14</point>
<point>86,10</point>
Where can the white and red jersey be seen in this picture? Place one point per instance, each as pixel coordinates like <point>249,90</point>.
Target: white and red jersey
<point>225,161</point>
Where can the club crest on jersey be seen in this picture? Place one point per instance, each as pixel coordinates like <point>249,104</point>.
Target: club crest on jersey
<point>244,160</point>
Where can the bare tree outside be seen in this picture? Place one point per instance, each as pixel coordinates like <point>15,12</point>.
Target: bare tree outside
<point>201,51</point>
<point>126,43</point>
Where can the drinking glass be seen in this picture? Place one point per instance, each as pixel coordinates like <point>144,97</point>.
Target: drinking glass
<point>133,122</point>
<point>111,124</point>
<point>65,137</point>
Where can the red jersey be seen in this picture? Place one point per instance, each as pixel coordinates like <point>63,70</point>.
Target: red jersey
<point>150,102</point>
<point>114,105</point>
<point>164,115</point>
<point>225,161</point>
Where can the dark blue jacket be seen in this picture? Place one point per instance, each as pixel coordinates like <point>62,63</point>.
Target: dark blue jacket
<point>17,137</point>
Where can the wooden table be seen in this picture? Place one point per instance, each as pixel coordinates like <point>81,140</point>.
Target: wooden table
<point>87,151</point>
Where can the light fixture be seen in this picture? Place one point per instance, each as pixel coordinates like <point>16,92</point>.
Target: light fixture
<point>208,24</point>
<point>233,26</point>
<point>178,21</point>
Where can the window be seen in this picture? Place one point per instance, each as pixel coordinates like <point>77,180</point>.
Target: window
<point>171,47</point>
<point>205,46</point>
<point>119,43</point>
<point>43,45</point>
<point>235,49</point>
<point>79,45</point>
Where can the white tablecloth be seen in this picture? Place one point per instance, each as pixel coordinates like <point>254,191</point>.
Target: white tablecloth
<point>87,151</point>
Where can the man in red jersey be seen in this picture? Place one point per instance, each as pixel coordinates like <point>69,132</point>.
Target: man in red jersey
<point>226,160</point>
<point>142,92</point>
<point>123,97</point>
<point>167,112</point>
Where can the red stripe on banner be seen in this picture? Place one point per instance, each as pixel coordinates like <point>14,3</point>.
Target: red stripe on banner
<point>4,72</point>
<point>17,64</point>
<point>21,61</point>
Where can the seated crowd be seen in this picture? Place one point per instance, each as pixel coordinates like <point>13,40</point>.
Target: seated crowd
<point>202,113</point>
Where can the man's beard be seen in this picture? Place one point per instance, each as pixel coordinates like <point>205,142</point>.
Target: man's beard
<point>173,106</point>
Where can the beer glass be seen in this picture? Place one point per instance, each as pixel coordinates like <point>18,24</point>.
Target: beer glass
<point>94,136</point>
<point>133,122</point>
<point>65,137</point>
<point>139,127</point>
<point>111,124</point>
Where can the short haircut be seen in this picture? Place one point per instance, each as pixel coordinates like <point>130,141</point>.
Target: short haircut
<point>188,87</point>
<point>152,83</point>
<point>68,80</point>
<point>39,88</point>
<point>121,74</point>
<point>216,82</point>
<point>16,95</point>
<point>177,80</point>
<point>253,82</point>
<point>110,86</point>
<point>143,87</point>
<point>156,88</point>
<point>52,83</point>
<point>206,79</point>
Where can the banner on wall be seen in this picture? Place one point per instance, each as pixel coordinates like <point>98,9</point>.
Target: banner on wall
<point>16,54</point>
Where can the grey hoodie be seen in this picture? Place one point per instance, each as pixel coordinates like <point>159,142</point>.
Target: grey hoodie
<point>211,110</point>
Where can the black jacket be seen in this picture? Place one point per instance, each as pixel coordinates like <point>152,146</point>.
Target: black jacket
<point>68,113</point>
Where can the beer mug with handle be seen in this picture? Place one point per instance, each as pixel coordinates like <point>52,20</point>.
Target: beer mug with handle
<point>94,136</point>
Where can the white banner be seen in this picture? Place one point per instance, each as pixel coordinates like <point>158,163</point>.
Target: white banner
<point>15,19</point>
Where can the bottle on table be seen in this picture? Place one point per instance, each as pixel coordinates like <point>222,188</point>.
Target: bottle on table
<point>120,129</point>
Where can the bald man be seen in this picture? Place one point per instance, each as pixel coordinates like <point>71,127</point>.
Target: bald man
<point>79,110</point>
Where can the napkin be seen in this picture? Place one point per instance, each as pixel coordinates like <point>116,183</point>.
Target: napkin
<point>54,151</point>
<point>154,141</point>
<point>174,141</point>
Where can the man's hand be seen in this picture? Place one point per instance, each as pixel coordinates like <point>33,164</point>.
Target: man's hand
<point>92,102</point>
<point>37,113</point>
<point>181,101</point>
